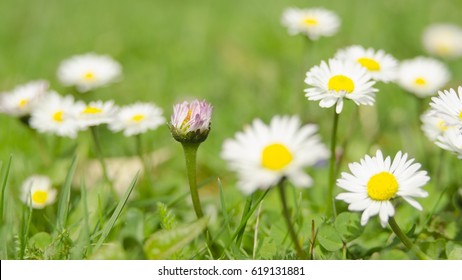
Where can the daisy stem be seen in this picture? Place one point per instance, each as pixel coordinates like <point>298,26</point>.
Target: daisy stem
<point>99,153</point>
<point>406,241</point>
<point>293,235</point>
<point>330,188</point>
<point>247,207</point>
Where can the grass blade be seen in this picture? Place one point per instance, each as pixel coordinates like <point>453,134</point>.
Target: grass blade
<point>64,199</point>
<point>5,175</point>
<point>110,224</point>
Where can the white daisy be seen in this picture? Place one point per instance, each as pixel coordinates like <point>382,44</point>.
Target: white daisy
<point>451,140</point>
<point>374,181</point>
<point>448,106</point>
<point>262,155</point>
<point>137,118</point>
<point>36,191</point>
<point>423,76</point>
<point>433,125</point>
<point>89,71</point>
<point>96,113</point>
<point>19,101</point>
<point>379,64</point>
<point>444,40</point>
<point>314,23</point>
<point>331,83</point>
<point>56,114</point>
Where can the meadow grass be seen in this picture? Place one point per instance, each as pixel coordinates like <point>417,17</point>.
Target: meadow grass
<point>237,56</point>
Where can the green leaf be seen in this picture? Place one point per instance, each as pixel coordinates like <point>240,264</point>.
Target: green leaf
<point>110,224</point>
<point>453,251</point>
<point>268,249</point>
<point>40,240</point>
<point>3,187</point>
<point>433,248</point>
<point>64,198</point>
<point>348,226</point>
<point>393,254</point>
<point>329,238</point>
<point>165,243</point>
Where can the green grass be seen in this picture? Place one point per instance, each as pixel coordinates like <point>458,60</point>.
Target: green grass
<point>236,55</point>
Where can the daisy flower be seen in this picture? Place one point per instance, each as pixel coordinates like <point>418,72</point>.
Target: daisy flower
<point>422,76</point>
<point>444,40</point>
<point>448,106</point>
<point>96,113</point>
<point>451,140</point>
<point>89,71</point>
<point>379,64</point>
<point>19,101</point>
<point>432,125</point>
<point>332,82</point>
<point>264,154</point>
<point>36,191</point>
<point>314,23</point>
<point>190,121</point>
<point>375,181</point>
<point>137,119</point>
<point>56,114</point>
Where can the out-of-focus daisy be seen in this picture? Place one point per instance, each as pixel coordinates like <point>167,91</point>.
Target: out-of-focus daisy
<point>20,101</point>
<point>137,118</point>
<point>444,40</point>
<point>262,155</point>
<point>448,106</point>
<point>423,76</point>
<point>451,140</point>
<point>56,114</point>
<point>331,83</point>
<point>379,64</point>
<point>314,23</point>
<point>89,71</point>
<point>96,113</point>
<point>375,181</point>
<point>37,192</point>
<point>190,121</point>
<point>433,125</point>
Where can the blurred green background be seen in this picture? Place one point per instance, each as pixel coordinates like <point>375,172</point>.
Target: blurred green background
<point>235,54</point>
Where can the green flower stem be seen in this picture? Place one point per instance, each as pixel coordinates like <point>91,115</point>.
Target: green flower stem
<point>190,153</point>
<point>293,235</point>
<point>406,241</point>
<point>331,210</point>
<point>99,153</point>
<point>247,207</point>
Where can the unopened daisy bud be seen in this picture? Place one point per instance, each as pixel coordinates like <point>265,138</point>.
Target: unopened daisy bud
<point>36,191</point>
<point>89,71</point>
<point>20,101</point>
<point>190,122</point>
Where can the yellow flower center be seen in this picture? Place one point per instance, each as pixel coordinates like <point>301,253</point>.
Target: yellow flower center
<point>310,21</point>
<point>370,64</point>
<point>443,48</point>
<point>460,115</point>
<point>23,103</point>
<point>58,116</point>
<point>442,125</point>
<point>39,197</point>
<point>137,118</point>
<point>89,76</point>
<point>186,119</point>
<point>341,83</point>
<point>276,156</point>
<point>382,186</point>
<point>420,81</point>
<point>92,110</point>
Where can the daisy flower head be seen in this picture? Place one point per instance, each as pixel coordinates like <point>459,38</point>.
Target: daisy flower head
<point>191,121</point>
<point>443,40</point>
<point>375,181</point>
<point>263,154</point>
<point>314,22</point>
<point>333,81</point>
<point>56,114</point>
<point>37,192</point>
<point>433,125</point>
<point>20,101</point>
<point>448,106</point>
<point>96,113</point>
<point>451,140</point>
<point>89,71</point>
<point>137,119</point>
<point>379,64</point>
<point>423,76</point>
